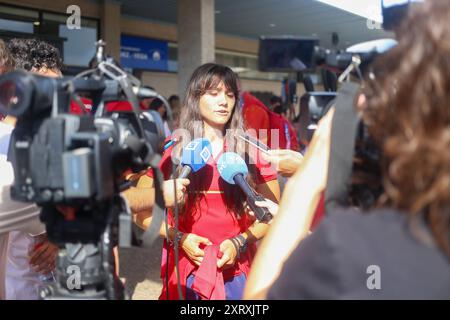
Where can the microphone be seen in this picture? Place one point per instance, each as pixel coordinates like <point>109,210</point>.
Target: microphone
<point>195,156</point>
<point>233,169</point>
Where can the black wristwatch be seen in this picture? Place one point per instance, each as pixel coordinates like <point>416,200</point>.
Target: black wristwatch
<point>243,243</point>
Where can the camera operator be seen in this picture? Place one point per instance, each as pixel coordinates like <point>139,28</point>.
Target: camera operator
<point>400,250</point>
<point>13,215</point>
<point>21,282</point>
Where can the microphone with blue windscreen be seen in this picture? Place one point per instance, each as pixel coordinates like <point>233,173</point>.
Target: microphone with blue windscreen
<point>233,169</point>
<point>195,156</point>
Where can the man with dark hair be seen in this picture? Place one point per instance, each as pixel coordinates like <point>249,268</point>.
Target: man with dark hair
<point>276,105</point>
<point>36,56</point>
<point>13,215</point>
<point>174,101</point>
<point>31,257</point>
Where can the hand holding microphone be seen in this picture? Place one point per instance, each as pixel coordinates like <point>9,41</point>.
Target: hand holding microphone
<point>286,161</point>
<point>169,192</point>
<point>270,205</point>
<point>233,169</point>
<point>194,157</point>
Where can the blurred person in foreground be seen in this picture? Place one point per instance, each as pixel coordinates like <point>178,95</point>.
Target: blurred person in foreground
<point>400,250</point>
<point>19,222</point>
<point>23,265</point>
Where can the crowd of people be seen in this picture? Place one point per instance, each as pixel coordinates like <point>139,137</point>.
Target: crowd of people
<point>223,251</point>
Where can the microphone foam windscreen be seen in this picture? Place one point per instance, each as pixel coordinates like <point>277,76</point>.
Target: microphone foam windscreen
<point>196,153</point>
<point>231,164</point>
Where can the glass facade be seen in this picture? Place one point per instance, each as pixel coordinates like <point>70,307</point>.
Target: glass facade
<point>77,46</point>
<point>246,65</point>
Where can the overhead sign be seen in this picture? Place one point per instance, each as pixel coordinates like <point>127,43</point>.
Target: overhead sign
<point>143,53</point>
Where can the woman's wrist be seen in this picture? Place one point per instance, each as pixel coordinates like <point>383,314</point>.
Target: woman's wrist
<point>240,243</point>
<point>236,246</point>
<point>175,236</point>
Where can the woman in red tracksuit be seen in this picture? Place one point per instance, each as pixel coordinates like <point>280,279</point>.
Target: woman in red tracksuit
<point>217,235</point>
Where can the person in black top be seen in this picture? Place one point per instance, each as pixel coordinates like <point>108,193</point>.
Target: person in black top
<point>378,255</point>
<point>401,249</point>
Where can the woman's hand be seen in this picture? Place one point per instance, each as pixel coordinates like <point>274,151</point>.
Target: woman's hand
<point>229,254</point>
<point>168,190</point>
<point>270,205</point>
<point>190,243</point>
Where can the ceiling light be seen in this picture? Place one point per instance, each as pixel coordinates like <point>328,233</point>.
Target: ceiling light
<point>239,69</point>
<point>272,25</point>
<point>370,9</point>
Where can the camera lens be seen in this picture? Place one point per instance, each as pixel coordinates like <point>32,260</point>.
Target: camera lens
<point>14,98</point>
<point>9,96</point>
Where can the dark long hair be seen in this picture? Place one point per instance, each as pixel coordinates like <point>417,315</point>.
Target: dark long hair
<point>408,115</point>
<point>207,77</point>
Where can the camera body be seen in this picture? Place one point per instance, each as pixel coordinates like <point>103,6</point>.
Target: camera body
<point>76,161</point>
<point>363,186</point>
<point>75,166</point>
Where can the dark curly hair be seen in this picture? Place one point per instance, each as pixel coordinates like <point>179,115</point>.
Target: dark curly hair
<point>408,115</point>
<point>34,54</point>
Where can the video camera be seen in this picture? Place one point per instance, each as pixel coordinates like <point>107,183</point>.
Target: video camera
<point>304,54</point>
<point>356,180</point>
<point>74,166</point>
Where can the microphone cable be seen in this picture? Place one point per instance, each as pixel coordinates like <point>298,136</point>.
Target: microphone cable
<point>175,242</point>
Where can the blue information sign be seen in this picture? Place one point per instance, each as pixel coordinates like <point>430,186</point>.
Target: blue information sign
<point>142,53</point>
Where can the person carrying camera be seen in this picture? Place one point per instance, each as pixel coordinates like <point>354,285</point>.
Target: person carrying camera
<point>400,249</point>
<point>28,260</point>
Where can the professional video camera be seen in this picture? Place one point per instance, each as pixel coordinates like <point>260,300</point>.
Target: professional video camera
<point>74,166</point>
<point>354,178</point>
<point>357,155</point>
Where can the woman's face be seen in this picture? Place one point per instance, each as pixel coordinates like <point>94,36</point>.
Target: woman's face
<point>216,106</point>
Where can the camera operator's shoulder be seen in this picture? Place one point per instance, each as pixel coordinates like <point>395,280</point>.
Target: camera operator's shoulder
<point>357,216</point>
<point>359,236</point>
<point>384,240</point>
<point>367,225</point>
